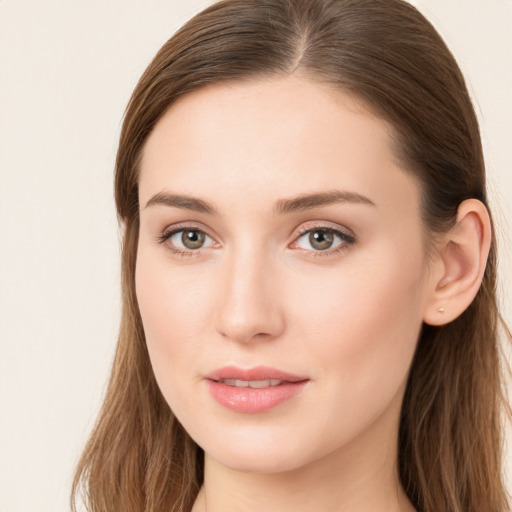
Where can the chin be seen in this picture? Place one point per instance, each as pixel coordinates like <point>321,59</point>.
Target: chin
<point>258,461</point>
<point>258,450</point>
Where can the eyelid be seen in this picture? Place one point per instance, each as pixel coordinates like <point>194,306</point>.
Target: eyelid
<point>183,226</point>
<point>310,225</point>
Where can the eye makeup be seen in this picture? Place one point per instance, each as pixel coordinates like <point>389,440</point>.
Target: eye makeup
<point>317,234</point>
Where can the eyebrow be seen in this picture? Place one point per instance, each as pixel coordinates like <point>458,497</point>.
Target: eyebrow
<point>282,206</point>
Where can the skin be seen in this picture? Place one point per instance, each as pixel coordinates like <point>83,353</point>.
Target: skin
<point>259,293</point>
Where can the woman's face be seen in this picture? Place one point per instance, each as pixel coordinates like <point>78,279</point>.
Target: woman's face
<point>281,273</point>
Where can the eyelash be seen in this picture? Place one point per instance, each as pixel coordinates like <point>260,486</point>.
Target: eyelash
<point>346,240</point>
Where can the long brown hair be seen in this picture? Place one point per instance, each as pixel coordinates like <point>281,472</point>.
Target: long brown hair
<point>139,458</point>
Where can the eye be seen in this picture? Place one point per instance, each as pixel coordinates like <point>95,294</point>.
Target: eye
<point>319,240</point>
<point>185,241</point>
<point>323,240</point>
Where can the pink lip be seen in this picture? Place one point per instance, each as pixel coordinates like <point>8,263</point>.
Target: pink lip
<point>253,400</point>
<point>256,373</point>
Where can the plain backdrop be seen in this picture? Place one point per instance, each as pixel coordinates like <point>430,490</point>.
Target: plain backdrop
<point>67,68</point>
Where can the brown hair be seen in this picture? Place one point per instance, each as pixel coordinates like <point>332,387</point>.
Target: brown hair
<point>139,458</point>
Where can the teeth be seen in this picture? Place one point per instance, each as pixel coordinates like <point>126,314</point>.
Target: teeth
<point>251,383</point>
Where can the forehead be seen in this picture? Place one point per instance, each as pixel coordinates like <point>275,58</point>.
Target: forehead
<point>272,138</point>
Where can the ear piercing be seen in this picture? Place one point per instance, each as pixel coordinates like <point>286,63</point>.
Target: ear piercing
<point>441,309</point>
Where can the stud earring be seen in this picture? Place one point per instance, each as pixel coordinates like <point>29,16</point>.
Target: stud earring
<point>441,309</point>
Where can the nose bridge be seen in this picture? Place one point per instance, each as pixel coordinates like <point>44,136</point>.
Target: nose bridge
<point>249,303</point>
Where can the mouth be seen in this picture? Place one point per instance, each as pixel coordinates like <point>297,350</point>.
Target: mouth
<point>255,390</point>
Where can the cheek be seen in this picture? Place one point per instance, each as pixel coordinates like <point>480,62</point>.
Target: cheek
<point>168,304</point>
<point>363,324</point>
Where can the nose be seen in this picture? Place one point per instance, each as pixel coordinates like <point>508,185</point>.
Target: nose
<point>250,307</point>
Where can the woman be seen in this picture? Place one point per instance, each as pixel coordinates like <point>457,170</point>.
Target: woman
<point>309,268</point>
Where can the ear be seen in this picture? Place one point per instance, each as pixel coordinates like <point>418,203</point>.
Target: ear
<point>459,265</point>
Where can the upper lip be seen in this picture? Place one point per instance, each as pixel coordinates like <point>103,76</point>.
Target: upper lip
<point>256,373</point>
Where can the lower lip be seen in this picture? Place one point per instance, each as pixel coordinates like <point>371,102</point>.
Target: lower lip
<point>254,400</point>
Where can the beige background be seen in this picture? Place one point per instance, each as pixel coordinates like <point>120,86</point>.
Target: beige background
<point>67,68</point>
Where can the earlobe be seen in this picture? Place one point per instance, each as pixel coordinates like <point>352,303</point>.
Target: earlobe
<point>460,264</point>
